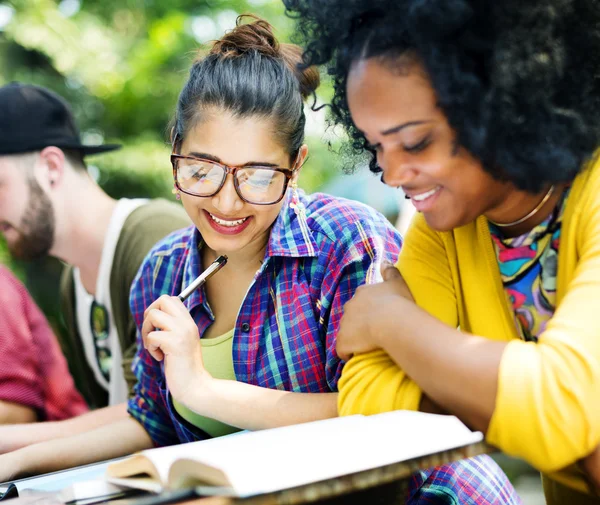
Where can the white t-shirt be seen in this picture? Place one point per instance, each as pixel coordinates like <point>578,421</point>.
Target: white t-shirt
<point>115,384</point>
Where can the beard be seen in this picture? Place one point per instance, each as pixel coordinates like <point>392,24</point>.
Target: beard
<point>37,226</point>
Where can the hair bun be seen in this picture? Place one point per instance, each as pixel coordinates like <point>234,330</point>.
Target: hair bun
<point>308,76</point>
<point>258,36</point>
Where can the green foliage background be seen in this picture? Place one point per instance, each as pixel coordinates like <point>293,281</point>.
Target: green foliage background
<point>121,64</point>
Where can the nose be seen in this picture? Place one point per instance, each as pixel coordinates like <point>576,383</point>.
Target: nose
<point>227,200</point>
<point>398,168</point>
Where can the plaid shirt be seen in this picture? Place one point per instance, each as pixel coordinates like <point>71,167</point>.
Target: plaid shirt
<point>284,336</point>
<point>473,481</point>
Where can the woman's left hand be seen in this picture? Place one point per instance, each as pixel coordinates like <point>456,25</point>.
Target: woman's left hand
<point>365,315</point>
<point>169,333</point>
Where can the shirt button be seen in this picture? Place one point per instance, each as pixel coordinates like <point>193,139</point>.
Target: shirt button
<point>245,327</point>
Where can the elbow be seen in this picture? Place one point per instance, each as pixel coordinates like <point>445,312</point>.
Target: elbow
<point>565,440</point>
<point>548,413</point>
<point>372,383</point>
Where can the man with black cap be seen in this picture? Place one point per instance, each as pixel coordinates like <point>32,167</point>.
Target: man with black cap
<point>49,205</point>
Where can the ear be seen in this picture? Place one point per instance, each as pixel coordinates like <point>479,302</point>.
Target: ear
<point>300,160</point>
<point>51,167</point>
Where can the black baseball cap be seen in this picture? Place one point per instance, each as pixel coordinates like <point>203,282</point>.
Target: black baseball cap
<point>32,118</point>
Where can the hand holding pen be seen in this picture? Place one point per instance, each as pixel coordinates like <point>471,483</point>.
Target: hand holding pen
<point>170,334</point>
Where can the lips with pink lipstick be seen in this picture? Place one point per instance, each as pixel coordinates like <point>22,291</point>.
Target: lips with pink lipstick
<point>229,225</point>
<point>424,200</point>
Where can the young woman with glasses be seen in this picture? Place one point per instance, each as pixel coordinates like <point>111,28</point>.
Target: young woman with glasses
<point>255,348</point>
<point>487,115</point>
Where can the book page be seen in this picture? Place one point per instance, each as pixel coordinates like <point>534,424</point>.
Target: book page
<point>403,435</point>
<point>75,484</point>
<point>57,481</point>
<point>161,459</point>
<point>271,460</point>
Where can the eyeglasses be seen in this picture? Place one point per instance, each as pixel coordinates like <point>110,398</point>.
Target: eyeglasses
<point>257,185</point>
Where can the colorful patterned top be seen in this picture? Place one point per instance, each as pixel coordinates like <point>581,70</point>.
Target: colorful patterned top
<point>33,370</point>
<point>284,336</point>
<point>528,267</point>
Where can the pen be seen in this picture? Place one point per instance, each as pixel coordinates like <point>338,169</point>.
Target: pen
<point>213,268</point>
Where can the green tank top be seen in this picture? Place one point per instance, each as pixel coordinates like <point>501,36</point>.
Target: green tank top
<point>218,361</point>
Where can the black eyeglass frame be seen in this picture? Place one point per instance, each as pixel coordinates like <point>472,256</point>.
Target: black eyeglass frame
<point>232,169</point>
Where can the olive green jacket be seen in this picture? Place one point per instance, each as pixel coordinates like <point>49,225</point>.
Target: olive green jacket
<point>143,228</point>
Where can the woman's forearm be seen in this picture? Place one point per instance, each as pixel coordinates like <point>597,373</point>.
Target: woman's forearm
<point>16,436</point>
<point>110,441</point>
<point>254,408</point>
<point>458,371</point>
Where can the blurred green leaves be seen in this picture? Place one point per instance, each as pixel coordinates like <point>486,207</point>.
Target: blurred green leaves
<point>121,65</point>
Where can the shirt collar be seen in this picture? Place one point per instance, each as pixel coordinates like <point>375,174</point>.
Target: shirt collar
<point>290,237</point>
<point>193,268</point>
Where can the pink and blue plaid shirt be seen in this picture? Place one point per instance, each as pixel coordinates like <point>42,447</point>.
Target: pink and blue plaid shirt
<point>284,336</point>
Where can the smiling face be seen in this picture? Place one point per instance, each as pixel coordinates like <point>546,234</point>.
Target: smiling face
<point>26,212</point>
<point>227,223</point>
<point>415,145</point>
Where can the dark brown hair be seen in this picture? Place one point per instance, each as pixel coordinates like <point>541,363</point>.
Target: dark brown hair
<point>249,73</point>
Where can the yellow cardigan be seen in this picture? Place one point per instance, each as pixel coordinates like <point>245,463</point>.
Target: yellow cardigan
<point>548,403</point>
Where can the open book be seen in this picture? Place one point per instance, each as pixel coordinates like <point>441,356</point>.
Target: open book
<point>252,463</point>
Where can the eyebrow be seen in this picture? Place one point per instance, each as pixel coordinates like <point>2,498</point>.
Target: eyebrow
<point>218,160</point>
<point>396,129</point>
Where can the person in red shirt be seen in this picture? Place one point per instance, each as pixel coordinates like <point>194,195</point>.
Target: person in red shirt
<point>35,384</point>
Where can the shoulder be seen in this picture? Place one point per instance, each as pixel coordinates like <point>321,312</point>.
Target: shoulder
<point>155,219</point>
<point>7,277</point>
<point>15,301</point>
<point>170,251</point>
<point>586,186</point>
<point>18,315</point>
<point>143,228</point>
<point>342,220</point>
<point>162,269</point>
<point>173,245</point>
<point>11,288</point>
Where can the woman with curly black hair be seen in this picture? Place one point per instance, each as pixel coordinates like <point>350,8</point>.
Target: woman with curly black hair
<point>487,115</point>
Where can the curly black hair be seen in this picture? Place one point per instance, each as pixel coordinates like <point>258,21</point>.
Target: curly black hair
<point>519,80</point>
